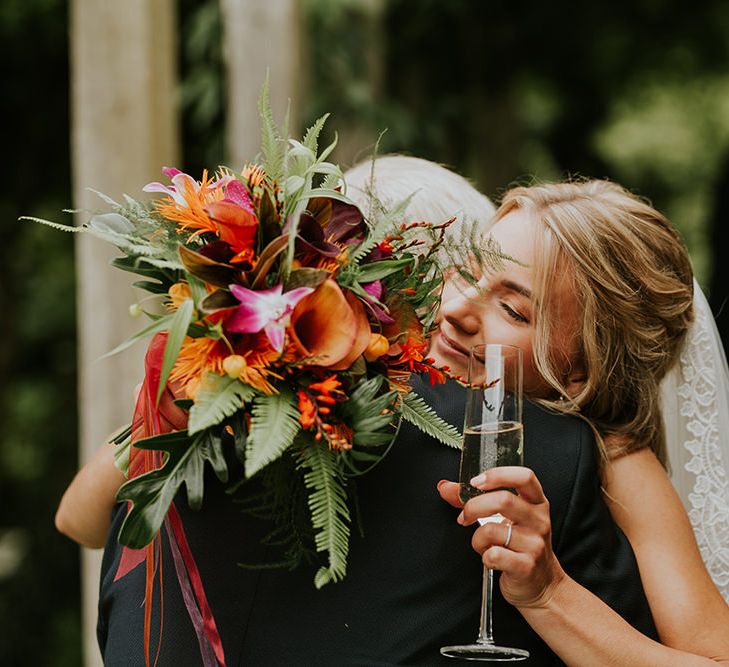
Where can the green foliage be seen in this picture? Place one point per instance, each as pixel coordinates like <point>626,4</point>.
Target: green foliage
<point>418,412</point>
<point>175,337</point>
<point>219,397</point>
<point>329,512</point>
<point>274,425</point>
<point>152,493</point>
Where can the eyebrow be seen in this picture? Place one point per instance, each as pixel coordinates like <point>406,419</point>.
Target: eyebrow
<point>516,287</point>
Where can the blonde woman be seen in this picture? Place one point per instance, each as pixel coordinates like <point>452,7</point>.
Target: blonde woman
<point>601,303</point>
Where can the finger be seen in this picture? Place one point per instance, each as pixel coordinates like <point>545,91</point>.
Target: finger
<point>512,507</point>
<point>449,492</point>
<point>511,477</point>
<point>514,563</point>
<point>497,535</point>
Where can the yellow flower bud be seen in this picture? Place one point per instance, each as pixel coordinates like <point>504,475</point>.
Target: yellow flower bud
<point>234,364</point>
<point>377,346</point>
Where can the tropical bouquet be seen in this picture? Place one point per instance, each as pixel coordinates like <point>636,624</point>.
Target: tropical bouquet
<point>290,327</point>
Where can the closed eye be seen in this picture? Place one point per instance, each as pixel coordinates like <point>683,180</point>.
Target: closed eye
<point>513,314</point>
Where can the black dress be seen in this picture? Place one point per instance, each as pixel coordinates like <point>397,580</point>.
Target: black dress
<point>413,582</point>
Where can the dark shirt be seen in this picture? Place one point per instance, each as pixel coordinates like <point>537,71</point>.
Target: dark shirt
<point>413,582</point>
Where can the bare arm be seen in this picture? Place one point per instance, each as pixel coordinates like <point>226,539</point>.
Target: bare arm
<point>688,610</point>
<point>84,513</point>
<point>576,624</point>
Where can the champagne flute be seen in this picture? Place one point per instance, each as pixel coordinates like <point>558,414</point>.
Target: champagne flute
<point>492,436</point>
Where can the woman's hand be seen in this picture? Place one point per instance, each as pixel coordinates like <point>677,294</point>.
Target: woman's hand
<point>530,570</point>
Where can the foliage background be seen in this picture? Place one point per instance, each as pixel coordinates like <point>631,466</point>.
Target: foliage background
<point>637,91</point>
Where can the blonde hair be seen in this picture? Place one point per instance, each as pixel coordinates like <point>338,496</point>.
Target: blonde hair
<point>437,193</point>
<point>633,283</point>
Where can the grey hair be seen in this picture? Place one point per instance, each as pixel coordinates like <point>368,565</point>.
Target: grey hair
<point>437,193</point>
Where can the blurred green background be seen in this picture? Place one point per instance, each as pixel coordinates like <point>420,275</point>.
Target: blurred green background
<point>636,91</point>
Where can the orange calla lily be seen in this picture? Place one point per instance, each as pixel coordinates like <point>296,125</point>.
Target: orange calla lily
<point>330,326</point>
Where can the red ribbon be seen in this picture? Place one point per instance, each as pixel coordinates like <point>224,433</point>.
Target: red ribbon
<point>153,418</point>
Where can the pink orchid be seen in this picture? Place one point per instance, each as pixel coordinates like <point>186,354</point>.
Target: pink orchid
<point>265,310</point>
<point>179,181</point>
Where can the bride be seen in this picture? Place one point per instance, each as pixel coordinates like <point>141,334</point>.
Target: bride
<point>599,299</point>
<point>694,393</point>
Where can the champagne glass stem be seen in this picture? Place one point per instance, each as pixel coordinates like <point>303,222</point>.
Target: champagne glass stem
<point>485,634</point>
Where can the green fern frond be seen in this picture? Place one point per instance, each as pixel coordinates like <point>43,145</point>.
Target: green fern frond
<point>329,512</point>
<point>274,425</point>
<point>420,414</point>
<point>219,397</point>
<point>55,225</point>
<point>272,146</point>
<point>311,138</point>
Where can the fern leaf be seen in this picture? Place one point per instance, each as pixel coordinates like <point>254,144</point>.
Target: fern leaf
<point>311,138</point>
<point>417,412</point>
<point>274,425</point>
<point>272,147</point>
<point>329,512</point>
<point>219,397</point>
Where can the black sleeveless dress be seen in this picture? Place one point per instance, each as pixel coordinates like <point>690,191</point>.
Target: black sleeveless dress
<point>413,582</point>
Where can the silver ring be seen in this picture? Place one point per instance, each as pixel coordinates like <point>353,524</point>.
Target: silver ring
<point>509,527</point>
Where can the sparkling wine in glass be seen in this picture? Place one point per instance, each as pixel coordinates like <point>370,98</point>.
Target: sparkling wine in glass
<point>493,435</point>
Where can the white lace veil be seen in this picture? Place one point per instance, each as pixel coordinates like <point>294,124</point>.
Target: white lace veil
<point>695,403</point>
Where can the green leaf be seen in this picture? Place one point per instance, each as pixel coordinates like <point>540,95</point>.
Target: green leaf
<point>152,493</point>
<point>329,512</point>
<point>219,397</point>
<point>274,425</point>
<point>272,147</point>
<point>158,325</point>
<point>377,270</point>
<point>311,137</point>
<point>175,337</point>
<point>419,413</point>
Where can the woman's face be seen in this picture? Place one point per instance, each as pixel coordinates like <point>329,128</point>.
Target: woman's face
<point>501,309</point>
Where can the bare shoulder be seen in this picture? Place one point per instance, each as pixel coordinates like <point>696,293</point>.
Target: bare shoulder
<point>645,505</point>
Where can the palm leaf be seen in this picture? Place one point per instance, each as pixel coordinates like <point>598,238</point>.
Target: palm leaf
<point>219,397</point>
<point>274,425</point>
<point>417,412</point>
<point>329,512</point>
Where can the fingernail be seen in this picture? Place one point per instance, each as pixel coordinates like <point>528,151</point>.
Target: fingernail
<point>440,484</point>
<point>461,519</point>
<point>478,480</point>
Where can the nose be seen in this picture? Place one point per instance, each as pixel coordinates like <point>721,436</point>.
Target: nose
<point>460,308</point>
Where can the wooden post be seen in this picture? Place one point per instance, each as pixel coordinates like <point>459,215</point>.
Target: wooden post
<point>124,129</point>
<point>259,37</point>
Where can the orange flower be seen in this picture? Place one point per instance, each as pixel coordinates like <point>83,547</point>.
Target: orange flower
<point>307,408</point>
<point>329,327</point>
<point>253,174</point>
<point>328,390</point>
<point>179,292</point>
<point>193,215</point>
<point>339,436</point>
<point>198,355</point>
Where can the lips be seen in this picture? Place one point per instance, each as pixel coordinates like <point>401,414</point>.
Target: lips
<point>452,345</point>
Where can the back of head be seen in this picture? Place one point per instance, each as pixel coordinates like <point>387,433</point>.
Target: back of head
<point>633,284</point>
<point>436,193</point>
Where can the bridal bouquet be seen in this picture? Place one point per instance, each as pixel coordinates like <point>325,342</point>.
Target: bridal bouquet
<point>291,324</point>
